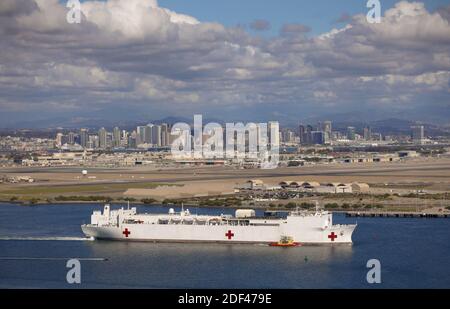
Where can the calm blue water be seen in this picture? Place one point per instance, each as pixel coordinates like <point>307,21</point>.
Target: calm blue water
<point>414,253</point>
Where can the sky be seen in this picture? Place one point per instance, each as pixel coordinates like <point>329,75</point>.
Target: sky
<point>247,60</point>
<point>320,15</point>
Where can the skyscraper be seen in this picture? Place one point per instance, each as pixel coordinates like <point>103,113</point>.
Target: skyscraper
<point>308,135</point>
<point>71,138</point>
<point>102,140</point>
<point>156,135</point>
<point>84,138</point>
<point>287,136</point>
<point>367,133</point>
<point>318,137</point>
<point>58,140</point>
<point>351,133</point>
<point>132,140</point>
<point>164,134</point>
<point>148,133</point>
<point>124,138</point>
<point>418,134</point>
<point>327,128</point>
<point>301,133</point>
<point>116,137</point>
<point>92,142</point>
<point>140,135</point>
<point>273,133</point>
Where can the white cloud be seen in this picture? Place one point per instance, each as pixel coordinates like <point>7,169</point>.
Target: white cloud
<point>410,24</point>
<point>134,50</point>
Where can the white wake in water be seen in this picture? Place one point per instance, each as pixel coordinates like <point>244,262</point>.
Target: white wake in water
<point>68,238</point>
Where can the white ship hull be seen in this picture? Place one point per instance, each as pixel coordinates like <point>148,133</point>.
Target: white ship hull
<point>305,229</point>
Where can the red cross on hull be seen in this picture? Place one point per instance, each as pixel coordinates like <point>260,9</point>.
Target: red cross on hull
<point>229,234</point>
<point>332,236</point>
<point>126,232</point>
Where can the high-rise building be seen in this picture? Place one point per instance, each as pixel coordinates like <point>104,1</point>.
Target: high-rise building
<point>327,127</point>
<point>301,133</point>
<point>156,135</point>
<point>71,138</point>
<point>335,135</point>
<point>109,139</point>
<point>274,139</point>
<point>351,133</point>
<point>287,136</point>
<point>84,137</point>
<point>308,136</point>
<point>367,133</point>
<point>418,134</point>
<point>164,134</point>
<point>116,137</point>
<point>124,139</point>
<point>140,135</point>
<point>318,137</point>
<point>59,140</point>
<point>132,140</point>
<point>102,139</point>
<point>148,133</point>
<point>92,142</point>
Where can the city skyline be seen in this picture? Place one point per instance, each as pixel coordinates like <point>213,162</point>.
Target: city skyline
<point>160,136</point>
<point>150,60</point>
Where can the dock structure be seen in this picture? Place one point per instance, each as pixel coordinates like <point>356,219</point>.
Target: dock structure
<point>396,214</point>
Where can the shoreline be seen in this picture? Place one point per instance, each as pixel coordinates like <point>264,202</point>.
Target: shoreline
<point>348,212</point>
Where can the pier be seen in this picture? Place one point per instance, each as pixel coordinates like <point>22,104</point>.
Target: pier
<point>396,214</point>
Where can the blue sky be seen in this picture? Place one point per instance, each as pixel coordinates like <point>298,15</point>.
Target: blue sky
<point>136,60</point>
<point>320,15</point>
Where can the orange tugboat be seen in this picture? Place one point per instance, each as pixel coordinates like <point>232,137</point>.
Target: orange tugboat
<point>285,241</point>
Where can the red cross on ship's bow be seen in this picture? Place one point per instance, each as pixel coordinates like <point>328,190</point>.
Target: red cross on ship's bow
<point>332,236</point>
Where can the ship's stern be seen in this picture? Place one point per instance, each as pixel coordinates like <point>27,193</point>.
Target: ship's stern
<point>89,231</point>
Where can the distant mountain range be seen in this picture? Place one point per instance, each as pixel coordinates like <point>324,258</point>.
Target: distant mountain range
<point>388,126</point>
